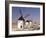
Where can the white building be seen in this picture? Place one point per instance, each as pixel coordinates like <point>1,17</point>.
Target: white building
<point>28,24</point>
<point>21,23</point>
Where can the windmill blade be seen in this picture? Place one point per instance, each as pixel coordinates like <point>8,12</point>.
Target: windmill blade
<point>20,10</point>
<point>26,16</point>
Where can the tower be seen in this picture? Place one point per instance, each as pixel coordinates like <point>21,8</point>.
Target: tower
<point>21,21</point>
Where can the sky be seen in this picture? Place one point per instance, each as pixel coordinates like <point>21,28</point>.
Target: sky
<point>34,13</point>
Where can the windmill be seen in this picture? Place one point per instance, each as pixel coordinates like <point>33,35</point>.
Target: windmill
<point>21,20</point>
<point>28,23</point>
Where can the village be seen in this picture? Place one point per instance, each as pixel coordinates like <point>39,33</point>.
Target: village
<point>25,25</point>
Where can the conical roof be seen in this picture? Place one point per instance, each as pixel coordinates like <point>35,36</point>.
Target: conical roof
<point>28,21</point>
<point>21,18</point>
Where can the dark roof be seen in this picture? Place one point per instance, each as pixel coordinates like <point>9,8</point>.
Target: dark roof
<point>21,18</point>
<point>28,21</point>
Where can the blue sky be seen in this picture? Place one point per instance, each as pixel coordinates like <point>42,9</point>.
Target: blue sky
<point>33,12</point>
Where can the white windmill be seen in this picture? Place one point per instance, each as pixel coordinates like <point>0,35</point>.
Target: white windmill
<point>20,21</point>
<point>28,23</point>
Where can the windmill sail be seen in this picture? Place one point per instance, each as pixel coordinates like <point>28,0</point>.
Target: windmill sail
<point>20,10</point>
<point>26,16</point>
<point>21,18</point>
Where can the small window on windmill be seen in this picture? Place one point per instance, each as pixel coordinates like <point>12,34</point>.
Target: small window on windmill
<point>21,26</point>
